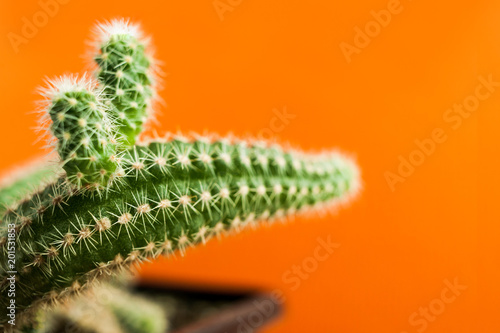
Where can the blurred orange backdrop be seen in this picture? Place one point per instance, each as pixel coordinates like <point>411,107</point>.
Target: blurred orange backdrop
<point>232,64</point>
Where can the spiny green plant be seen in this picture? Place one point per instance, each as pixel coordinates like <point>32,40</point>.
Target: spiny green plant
<point>120,204</point>
<point>85,131</point>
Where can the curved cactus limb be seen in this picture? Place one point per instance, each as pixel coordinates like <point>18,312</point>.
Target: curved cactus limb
<point>127,74</point>
<point>172,195</point>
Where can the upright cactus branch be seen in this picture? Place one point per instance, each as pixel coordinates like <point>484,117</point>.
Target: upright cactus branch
<point>126,72</point>
<point>86,134</point>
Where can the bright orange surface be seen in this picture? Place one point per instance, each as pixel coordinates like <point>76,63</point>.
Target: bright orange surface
<point>397,247</point>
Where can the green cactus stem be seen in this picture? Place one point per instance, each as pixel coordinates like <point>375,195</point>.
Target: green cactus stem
<point>170,195</point>
<point>85,132</point>
<point>126,73</point>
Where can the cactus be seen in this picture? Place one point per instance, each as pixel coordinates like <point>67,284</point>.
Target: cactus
<point>86,133</point>
<point>121,203</point>
<point>127,73</point>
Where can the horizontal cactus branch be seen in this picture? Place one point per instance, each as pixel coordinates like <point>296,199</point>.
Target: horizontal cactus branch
<point>126,71</point>
<point>171,194</point>
<point>85,132</point>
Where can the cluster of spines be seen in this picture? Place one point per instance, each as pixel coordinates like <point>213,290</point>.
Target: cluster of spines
<point>172,195</point>
<point>86,134</point>
<point>126,72</point>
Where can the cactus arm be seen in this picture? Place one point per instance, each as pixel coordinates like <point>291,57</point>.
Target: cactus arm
<point>125,70</point>
<point>172,195</point>
<point>85,132</point>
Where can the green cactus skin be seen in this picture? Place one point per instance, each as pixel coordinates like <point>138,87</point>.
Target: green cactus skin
<point>126,72</point>
<point>171,195</point>
<point>85,133</point>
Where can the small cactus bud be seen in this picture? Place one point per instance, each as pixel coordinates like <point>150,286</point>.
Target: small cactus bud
<point>77,110</point>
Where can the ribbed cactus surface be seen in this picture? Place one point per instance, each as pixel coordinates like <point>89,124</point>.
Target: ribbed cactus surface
<point>170,195</point>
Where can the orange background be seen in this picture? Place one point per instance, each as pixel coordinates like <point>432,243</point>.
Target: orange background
<point>397,247</point>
